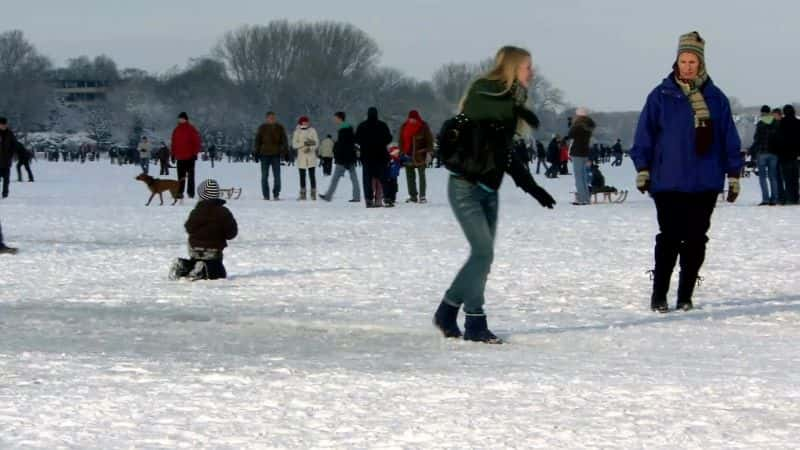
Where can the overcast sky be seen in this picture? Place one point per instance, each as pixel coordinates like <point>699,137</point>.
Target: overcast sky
<point>605,54</point>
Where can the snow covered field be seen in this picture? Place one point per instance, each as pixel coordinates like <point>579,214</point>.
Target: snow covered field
<point>321,338</point>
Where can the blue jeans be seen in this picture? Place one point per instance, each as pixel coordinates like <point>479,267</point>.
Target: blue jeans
<point>145,162</point>
<point>580,170</point>
<point>268,162</point>
<point>476,211</point>
<point>337,174</point>
<point>768,171</point>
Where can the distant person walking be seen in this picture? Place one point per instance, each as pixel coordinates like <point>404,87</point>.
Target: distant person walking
<point>765,145</point>
<point>144,155</point>
<point>8,148</point>
<point>581,134</point>
<point>373,138</point>
<point>345,156</point>
<point>24,161</point>
<point>186,144</point>
<point>271,144</point>
<point>788,152</point>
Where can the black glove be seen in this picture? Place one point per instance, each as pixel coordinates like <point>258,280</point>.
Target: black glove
<point>543,197</point>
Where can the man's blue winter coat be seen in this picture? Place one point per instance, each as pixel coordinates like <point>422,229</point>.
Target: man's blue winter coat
<point>665,141</point>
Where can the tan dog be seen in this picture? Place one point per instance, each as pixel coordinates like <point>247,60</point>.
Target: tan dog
<point>159,186</point>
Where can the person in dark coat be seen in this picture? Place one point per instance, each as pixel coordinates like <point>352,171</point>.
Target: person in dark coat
<point>686,143</point>
<point>373,138</point>
<point>541,157</point>
<point>553,157</point>
<point>765,146</point>
<point>23,160</point>
<point>345,157</point>
<point>788,152</point>
<point>210,226</point>
<point>163,159</point>
<point>271,144</point>
<point>8,148</point>
<point>496,106</point>
<point>618,153</point>
<point>581,134</point>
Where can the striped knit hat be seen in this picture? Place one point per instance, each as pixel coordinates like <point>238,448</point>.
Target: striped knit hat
<point>209,190</point>
<point>693,43</point>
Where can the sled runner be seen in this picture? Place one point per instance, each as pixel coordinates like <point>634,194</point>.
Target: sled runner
<point>608,196</point>
<point>231,193</point>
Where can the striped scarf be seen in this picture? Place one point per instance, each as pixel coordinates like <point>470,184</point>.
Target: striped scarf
<point>702,115</point>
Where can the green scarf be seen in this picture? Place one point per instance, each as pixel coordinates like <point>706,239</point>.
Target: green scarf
<point>702,115</point>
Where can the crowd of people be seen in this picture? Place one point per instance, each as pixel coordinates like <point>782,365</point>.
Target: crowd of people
<point>775,149</point>
<point>686,145</point>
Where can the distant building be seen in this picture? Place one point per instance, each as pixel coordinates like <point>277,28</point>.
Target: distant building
<point>72,92</point>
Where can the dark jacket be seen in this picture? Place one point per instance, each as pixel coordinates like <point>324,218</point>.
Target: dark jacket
<point>765,140</point>
<point>581,135</point>
<point>8,147</point>
<point>23,154</point>
<point>665,142</point>
<point>490,154</point>
<point>271,140</point>
<point>211,225</point>
<point>541,153</point>
<point>789,138</point>
<point>372,137</point>
<point>344,150</point>
<point>554,151</point>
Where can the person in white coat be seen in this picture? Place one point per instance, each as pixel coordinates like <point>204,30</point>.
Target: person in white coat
<point>306,141</point>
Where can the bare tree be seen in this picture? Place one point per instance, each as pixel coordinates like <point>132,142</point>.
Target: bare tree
<point>24,96</point>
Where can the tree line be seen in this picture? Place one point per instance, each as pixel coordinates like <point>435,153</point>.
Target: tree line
<point>293,68</point>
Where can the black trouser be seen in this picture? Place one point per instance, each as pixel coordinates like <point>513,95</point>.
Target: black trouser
<point>390,188</point>
<point>312,176</point>
<point>186,176</point>
<point>789,180</point>
<point>683,221</point>
<point>215,269</point>
<point>27,166</point>
<point>5,174</point>
<point>327,166</point>
<point>368,172</point>
<point>164,167</point>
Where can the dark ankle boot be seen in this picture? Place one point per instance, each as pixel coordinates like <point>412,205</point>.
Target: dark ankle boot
<point>476,329</point>
<point>445,319</point>
<point>693,254</point>
<point>686,286</point>
<point>666,255</point>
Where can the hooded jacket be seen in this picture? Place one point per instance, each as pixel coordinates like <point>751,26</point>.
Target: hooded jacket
<point>373,137</point>
<point>665,141</point>
<point>420,144</point>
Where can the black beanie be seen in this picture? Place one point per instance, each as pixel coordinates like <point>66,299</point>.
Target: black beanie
<point>183,115</point>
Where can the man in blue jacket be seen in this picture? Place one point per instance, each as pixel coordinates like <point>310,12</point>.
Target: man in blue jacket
<point>686,143</point>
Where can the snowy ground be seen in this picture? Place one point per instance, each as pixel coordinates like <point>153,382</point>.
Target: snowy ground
<point>322,336</point>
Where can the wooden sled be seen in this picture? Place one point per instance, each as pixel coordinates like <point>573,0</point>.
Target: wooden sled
<point>231,193</point>
<point>607,197</point>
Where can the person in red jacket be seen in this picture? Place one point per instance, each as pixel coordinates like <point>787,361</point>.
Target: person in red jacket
<point>185,147</point>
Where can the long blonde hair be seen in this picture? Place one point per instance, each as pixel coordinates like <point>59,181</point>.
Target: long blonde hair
<point>506,64</point>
